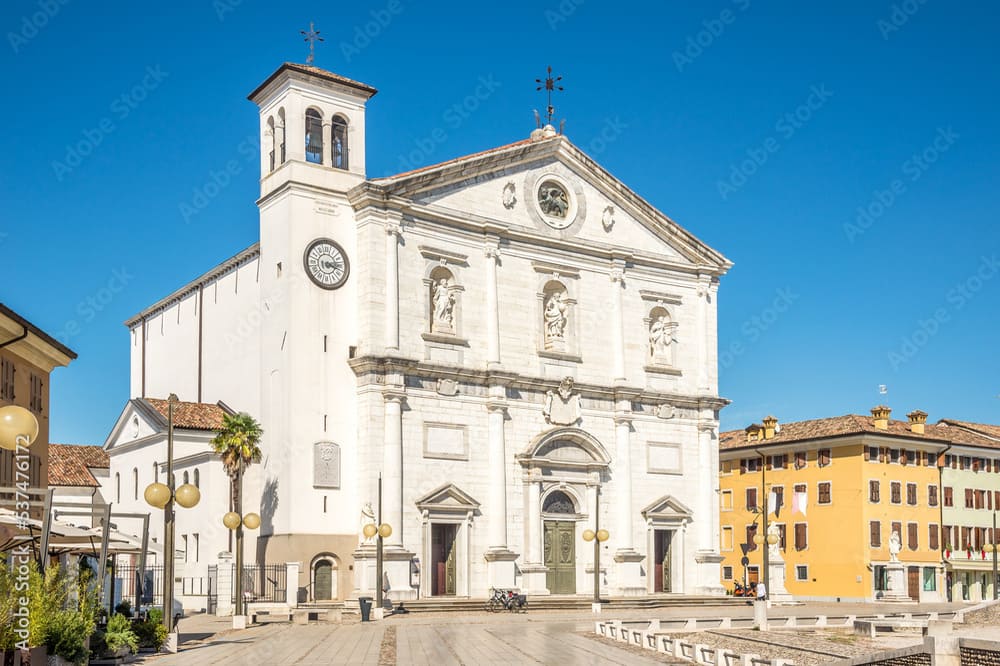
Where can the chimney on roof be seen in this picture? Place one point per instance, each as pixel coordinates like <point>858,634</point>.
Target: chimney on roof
<point>917,421</point>
<point>881,416</point>
<point>770,427</point>
<point>753,432</point>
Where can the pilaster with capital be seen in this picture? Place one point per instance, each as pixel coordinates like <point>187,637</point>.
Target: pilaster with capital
<point>393,232</point>
<point>618,325</point>
<point>491,250</point>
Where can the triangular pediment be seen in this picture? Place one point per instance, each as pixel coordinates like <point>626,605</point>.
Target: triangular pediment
<point>504,186</point>
<point>448,498</point>
<point>667,507</point>
<point>137,422</point>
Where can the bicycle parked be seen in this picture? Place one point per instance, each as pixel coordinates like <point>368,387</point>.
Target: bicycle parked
<point>510,600</point>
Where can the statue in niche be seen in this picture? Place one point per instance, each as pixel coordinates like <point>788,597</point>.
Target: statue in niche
<point>555,315</point>
<point>562,406</point>
<point>367,518</point>
<point>661,335</point>
<point>443,301</point>
<point>552,199</point>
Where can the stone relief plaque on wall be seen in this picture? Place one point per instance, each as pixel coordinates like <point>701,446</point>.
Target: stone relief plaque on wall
<point>326,465</point>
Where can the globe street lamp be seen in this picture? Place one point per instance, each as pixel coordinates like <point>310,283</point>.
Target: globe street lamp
<point>163,496</point>
<point>384,531</point>
<point>234,521</point>
<point>598,536</point>
<point>18,427</point>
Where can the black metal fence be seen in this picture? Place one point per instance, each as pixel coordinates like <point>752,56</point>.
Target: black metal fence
<point>151,587</point>
<point>265,583</point>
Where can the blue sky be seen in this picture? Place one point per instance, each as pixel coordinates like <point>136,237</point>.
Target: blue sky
<point>843,155</point>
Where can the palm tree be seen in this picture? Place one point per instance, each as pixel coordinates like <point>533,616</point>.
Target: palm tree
<point>238,444</point>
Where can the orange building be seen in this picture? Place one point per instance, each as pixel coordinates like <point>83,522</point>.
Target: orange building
<point>842,487</point>
<point>27,357</point>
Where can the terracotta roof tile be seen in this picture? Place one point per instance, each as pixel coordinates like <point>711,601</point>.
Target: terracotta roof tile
<point>70,464</point>
<point>992,431</point>
<point>856,424</point>
<point>190,415</point>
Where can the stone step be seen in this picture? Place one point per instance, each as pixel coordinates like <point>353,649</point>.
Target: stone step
<point>553,602</point>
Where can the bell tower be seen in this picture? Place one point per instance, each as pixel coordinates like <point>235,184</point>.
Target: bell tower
<point>312,128</point>
<point>312,133</point>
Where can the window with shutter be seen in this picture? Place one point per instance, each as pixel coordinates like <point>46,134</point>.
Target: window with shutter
<point>779,495</point>
<point>800,459</point>
<point>824,457</point>
<point>932,536</point>
<point>873,491</point>
<point>932,495</point>
<point>823,494</point>
<point>911,494</point>
<point>751,531</point>
<point>743,465</point>
<point>949,499</point>
<point>801,536</point>
<point>911,536</point>
<point>895,492</point>
<point>875,531</point>
<point>903,457</point>
<point>751,499</point>
<point>781,537</point>
<point>970,501</point>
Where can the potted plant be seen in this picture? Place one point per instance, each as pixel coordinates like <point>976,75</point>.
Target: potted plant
<point>119,638</point>
<point>151,633</point>
<point>68,635</point>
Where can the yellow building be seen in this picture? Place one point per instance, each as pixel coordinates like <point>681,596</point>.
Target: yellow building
<point>841,487</point>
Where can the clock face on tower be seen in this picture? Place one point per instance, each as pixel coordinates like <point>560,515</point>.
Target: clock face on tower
<point>326,263</point>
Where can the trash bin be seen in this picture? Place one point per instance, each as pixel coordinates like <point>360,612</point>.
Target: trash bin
<point>366,608</point>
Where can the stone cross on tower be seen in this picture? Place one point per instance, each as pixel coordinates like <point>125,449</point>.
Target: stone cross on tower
<point>312,37</point>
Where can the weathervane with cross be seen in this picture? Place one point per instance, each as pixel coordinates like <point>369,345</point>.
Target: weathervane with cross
<point>312,37</point>
<point>550,85</point>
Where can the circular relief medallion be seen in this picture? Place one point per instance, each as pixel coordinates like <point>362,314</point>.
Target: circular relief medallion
<point>555,203</point>
<point>326,263</point>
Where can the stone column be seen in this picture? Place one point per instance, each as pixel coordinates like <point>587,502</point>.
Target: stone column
<point>326,156</point>
<point>392,467</point>
<point>618,325</point>
<point>628,569</point>
<point>393,230</point>
<point>492,252</point>
<point>396,559</point>
<point>707,516</point>
<point>499,559</point>
<point>533,571</point>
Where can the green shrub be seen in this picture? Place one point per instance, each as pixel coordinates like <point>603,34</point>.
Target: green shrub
<point>124,608</point>
<point>156,615</point>
<point>119,634</point>
<point>151,634</point>
<point>67,635</point>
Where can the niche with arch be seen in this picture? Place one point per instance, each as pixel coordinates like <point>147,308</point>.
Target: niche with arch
<point>661,337</point>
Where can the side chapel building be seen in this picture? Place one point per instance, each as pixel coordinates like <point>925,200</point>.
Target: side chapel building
<point>513,340</point>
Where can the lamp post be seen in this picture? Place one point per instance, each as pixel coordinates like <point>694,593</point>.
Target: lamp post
<point>162,496</point>
<point>383,531</point>
<point>996,592</point>
<point>235,521</point>
<point>598,536</point>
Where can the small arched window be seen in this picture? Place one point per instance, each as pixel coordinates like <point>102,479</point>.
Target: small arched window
<point>558,502</point>
<point>197,479</point>
<point>338,143</point>
<point>186,478</point>
<point>135,481</point>
<point>118,488</point>
<point>280,128</point>
<point>270,138</point>
<point>314,136</point>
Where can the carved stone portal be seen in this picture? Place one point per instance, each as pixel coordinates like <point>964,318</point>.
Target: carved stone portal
<point>562,407</point>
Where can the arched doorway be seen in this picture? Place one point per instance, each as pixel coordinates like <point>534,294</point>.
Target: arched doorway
<point>559,543</point>
<point>324,578</point>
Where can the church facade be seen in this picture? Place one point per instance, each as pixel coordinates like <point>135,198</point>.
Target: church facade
<point>510,345</point>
